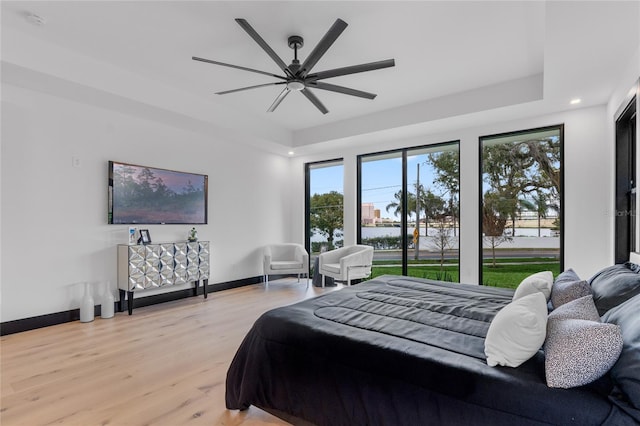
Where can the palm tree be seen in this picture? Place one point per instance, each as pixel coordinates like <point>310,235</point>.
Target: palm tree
<point>396,205</point>
<point>433,207</point>
<point>539,205</point>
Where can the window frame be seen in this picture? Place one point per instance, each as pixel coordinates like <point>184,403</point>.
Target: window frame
<point>560,129</point>
<point>307,199</point>
<point>403,220</point>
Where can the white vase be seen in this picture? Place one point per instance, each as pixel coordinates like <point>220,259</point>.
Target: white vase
<point>87,305</point>
<point>108,302</point>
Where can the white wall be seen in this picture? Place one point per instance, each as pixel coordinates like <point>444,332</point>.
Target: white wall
<point>54,216</point>
<point>588,182</point>
<point>53,226</point>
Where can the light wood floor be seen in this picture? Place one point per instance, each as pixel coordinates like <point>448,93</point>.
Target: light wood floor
<point>164,365</point>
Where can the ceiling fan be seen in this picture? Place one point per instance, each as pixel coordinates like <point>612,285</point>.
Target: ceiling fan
<point>298,77</point>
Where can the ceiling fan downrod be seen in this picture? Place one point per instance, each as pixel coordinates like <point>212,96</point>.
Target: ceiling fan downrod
<point>295,42</point>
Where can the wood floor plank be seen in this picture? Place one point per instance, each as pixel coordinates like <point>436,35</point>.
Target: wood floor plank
<point>164,365</point>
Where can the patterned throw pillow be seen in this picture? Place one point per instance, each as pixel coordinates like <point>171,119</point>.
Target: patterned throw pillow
<point>582,308</point>
<point>538,282</point>
<point>517,332</point>
<point>566,291</point>
<point>578,352</point>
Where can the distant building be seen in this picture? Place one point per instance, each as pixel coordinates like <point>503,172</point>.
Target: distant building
<point>369,214</point>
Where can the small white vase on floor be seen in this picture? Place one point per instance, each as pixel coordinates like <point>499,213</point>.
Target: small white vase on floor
<point>108,301</point>
<point>86,305</point>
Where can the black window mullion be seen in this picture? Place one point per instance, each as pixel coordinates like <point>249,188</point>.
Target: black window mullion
<point>403,220</point>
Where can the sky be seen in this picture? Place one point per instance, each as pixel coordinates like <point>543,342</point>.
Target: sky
<point>381,179</point>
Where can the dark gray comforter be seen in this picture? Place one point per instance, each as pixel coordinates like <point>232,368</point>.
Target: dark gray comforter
<point>400,351</point>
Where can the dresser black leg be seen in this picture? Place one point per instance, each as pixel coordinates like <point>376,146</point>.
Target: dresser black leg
<point>204,287</point>
<point>130,302</point>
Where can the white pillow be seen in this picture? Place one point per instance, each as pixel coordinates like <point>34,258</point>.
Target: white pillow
<point>538,282</point>
<point>517,331</point>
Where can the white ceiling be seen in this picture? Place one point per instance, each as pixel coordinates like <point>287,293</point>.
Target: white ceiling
<point>445,52</point>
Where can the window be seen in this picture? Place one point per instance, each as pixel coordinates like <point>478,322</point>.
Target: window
<point>381,206</point>
<point>428,247</point>
<point>324,206</point>
<point>521,205</point>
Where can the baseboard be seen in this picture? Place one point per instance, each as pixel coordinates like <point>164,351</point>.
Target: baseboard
<point>32,323</point>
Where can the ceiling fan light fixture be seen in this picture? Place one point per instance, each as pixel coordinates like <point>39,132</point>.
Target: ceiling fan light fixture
<point>296,85</point>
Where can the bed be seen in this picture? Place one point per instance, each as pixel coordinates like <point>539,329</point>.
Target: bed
<point>404,351</point>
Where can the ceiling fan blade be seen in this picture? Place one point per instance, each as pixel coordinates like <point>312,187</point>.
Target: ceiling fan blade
<point>256,37</point>
<point>250,87</point>
<point>371,66</point>
<point>195,58</point>
<point>279,99</point>
<point>341,89</point>
<point>321,48</point>
<point>314,100</point>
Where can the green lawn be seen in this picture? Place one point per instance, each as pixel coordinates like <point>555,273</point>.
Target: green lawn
<point>431,272</point>
<point>503,275</point>
<point>511,275</point>
<point>455,261</point>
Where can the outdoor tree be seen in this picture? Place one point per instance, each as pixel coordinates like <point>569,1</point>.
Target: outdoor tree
<point>433,207</point>
<point>495,213</point>
<point>446,165</point>
<point>326,215</point>
<point>431,204</point>
<point>546,153</point>
<point>505,170</point>
<point>395,206</point>
<point>442,240</point>
<point>539,205</point>
<point>518,169</point>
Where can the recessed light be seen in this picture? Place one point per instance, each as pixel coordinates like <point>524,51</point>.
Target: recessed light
<point>575,101</point>
<point>291,153</point>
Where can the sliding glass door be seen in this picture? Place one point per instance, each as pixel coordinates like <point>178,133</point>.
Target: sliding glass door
<point>409,211</point>
<point>433,179</point>
<point>381,206</point>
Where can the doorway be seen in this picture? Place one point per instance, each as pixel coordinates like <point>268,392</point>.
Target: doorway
<point>625,203</point>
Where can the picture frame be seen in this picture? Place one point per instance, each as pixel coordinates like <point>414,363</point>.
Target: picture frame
<point>145,237</point>
<point>132,234</point>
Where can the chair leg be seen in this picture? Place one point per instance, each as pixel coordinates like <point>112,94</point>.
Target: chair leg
<point>322,281</point>
<point>298,277</point>
<point>266,280</point>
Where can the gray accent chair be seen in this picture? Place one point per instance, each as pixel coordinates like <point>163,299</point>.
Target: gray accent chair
<point>285,259</point>
<point>346,263</point>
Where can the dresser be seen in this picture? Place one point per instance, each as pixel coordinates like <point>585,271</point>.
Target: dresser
<point>161,265</point>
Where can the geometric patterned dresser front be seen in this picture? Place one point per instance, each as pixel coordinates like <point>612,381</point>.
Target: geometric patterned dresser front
<point>142,267</point>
